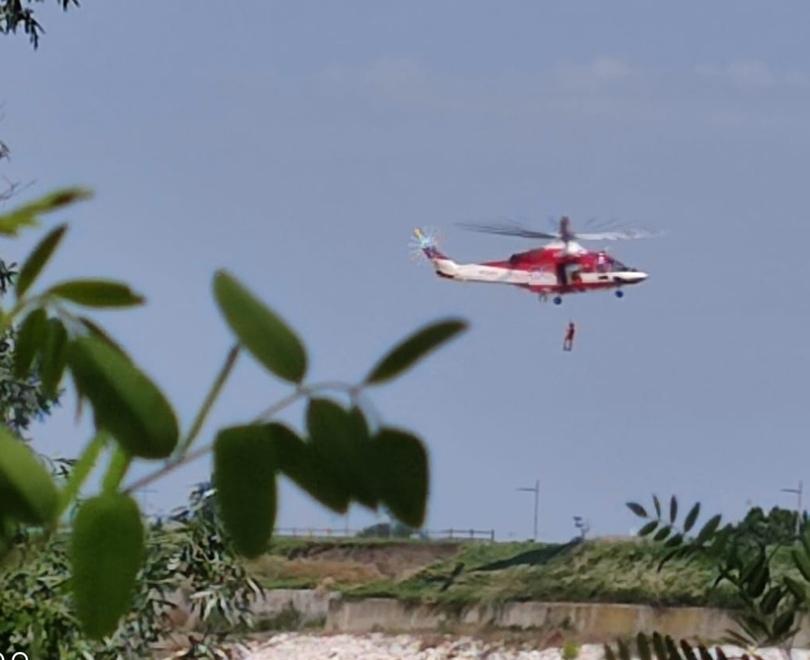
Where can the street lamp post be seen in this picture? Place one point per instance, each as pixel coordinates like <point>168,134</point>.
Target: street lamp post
<point>536,491</point>
<point>582,525</point>
<point>798,492</point>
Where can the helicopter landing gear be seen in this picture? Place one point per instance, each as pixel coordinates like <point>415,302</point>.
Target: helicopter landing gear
<point>619,293</point>
<point>557,300</point>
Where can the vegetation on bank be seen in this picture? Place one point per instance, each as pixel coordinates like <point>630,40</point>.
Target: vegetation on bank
<point>620,571</point>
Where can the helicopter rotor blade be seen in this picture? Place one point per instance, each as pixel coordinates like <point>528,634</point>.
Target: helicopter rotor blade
<point>508,229</point>
<point>619,235</point>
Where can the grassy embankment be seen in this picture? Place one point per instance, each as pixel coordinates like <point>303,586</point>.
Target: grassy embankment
<point>624,571</point>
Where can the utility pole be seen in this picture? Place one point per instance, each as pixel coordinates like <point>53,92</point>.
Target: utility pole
<point>798,492</point>
<point>536,491</point>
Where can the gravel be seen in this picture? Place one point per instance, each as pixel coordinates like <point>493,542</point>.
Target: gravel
<point>379,646</point>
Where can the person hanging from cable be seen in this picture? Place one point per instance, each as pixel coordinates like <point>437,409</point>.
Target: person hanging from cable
<point>568,342</point>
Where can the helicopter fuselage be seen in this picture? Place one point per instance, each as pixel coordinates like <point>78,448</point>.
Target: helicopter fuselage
<point>556,269</point>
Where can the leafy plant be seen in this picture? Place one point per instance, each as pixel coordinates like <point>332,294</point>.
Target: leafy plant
<point>341,458</point>
<point>776,526</point>
<point>184,554</point>
<point>218,586</point>
<point>770,603</point>
<point>22,399</point>
<point>570,650</point>
<point>15,15</point>
<point>664,647</point>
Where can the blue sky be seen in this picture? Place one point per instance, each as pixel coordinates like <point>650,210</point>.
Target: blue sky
<point>297,144</point>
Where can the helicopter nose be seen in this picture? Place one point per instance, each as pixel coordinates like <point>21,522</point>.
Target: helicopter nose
<point>633,277</point>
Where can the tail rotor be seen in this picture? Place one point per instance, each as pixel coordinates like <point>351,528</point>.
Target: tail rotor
<point>425,242</point>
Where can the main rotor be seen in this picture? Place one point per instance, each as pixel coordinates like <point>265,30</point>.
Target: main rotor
<point>564,233</point>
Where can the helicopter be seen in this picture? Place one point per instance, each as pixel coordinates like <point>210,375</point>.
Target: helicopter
<point>560,267</point>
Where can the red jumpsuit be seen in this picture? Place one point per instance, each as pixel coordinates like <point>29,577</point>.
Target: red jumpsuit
<point>568,342</point>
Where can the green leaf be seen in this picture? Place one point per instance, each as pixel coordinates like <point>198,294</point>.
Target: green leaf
<point>783,624</point>
<point>117,469</point>
<point>708,529</point>
<point>28,215</point>
<point>27,492</point>
<point>341,440</point>
<point>687,650</point>
<point>38,259</point>
<point>297,460</point>
<point>31,338</point>
<point>737,639</point>
<point>125,401</point>
<point>691,517</point>
<point>673,509</point>
<point>97,331</point>
<point>54,356</point>
<point>659,647</point>
<point>719,543</point>
<point>802,563</point>
<point>758,581</point>
<point>674,553</point>
<point>245,477</point>
<point>643,646</point>
<point>96,293</point>
<point>107,550</point>
<point>674,542</point>
<point>81,470</point>
<point>672,649</point>
<point>753,623</point>
<point>662,533</point>
<point>636,508</point>
<point>401,466</point>
<point>770,601</point>
<point>648,529</point>
<point>259,330</point>
<point>798,590</point>
<point>657,505</point>
<point>414,348</point>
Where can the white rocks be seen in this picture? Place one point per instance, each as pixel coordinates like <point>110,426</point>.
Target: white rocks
<point>379,646</point>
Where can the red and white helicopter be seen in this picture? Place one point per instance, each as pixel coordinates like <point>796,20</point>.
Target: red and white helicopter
<point>558,268</point>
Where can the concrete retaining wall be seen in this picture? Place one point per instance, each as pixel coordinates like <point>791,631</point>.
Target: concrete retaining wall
<point>311,605</point>
<point>585,622</point>
<point>287,607</point>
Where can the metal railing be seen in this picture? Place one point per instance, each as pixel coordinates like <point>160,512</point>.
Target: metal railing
<point>462,534</point>
<point>419,535</point>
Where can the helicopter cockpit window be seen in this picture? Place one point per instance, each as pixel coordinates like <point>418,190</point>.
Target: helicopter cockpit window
<point>602,263</point>
<point>607,264</point>
<point>617,265</point>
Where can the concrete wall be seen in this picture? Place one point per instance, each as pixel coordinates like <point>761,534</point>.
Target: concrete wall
<point>585,622</point>
<point>312,605</point>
